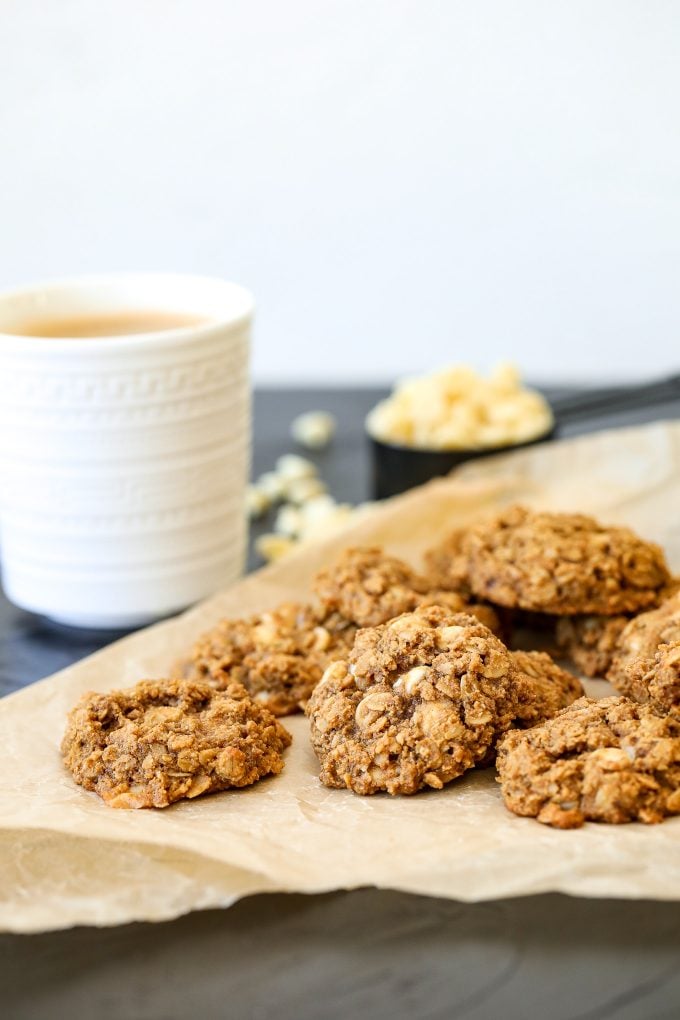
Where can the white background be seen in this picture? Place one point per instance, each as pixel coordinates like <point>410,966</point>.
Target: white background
<point>401,182</point>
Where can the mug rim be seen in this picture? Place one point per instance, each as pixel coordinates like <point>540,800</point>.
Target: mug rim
<point>235,295</point>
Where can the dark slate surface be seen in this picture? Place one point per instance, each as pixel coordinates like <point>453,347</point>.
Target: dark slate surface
<point>366,953</point>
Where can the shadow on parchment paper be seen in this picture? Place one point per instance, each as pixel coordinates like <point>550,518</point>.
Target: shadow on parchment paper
<point>365,954</point>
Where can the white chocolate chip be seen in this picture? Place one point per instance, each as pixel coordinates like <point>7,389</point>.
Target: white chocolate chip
<point>451,635</point>
<point>288,521</point>
<point>319,507</point>
<point>290,467</point>
<point>314,429</point>
<point>257,502</point>
<point>322,639</point>
<point>301,490</point>
<point>410,681</point>
<point>327,524</point>
<point>456,408</point>
<point>271,485</point>
<point>272,547</point>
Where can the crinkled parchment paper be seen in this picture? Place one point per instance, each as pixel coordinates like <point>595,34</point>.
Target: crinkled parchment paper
<point>68,859</point>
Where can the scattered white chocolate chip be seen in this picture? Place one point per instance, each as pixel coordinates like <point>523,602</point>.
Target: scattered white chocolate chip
<point>257,502</point>
<point>291,466</point>
<point>319,507</point>
<point>272,547</point>
<point>271,485</point>
<point>314,429</point>
<point>288,521</point>
<point>301,490</point>
<point>323,527</point>
<point>308,512</point>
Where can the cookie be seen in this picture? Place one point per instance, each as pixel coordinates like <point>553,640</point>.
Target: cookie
<point>633,664</point>
<point>590,641</point>
<point>279,656</point>
<point>659,685</point>
<point>453,602</point>
<point>549,687</point>
<point>422,699</point>
<point>564,564</point>
<point>367,587</point>
<point>446,564</point>
<point>165,740</point>
<point>605,761</point>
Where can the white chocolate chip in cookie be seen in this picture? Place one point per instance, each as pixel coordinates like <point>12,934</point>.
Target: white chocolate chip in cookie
<point>411,680</point>
<point>405,712</point>
<point>450,636</point>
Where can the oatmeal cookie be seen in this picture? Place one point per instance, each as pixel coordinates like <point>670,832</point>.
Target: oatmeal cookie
<point>549,687</point>
<point>604,761</point>
<point>659,686</point>
<point>446,564</point>
<point>590,641</point>
<point>422,699</point>
<point>164,740</point>
<point>278,656</point>
<point>634,659</point>
<point>367,588</point>
<point>564,564</point>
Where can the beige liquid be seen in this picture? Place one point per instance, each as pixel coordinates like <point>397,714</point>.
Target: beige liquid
<point>114,324</point>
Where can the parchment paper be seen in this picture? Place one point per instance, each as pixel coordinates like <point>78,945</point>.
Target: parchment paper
<point>68,859</point>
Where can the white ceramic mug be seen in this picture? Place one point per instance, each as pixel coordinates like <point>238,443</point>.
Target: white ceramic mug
<point>123,459</point>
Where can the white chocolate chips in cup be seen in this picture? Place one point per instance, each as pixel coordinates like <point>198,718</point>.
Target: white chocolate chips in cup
<point>458,409</point>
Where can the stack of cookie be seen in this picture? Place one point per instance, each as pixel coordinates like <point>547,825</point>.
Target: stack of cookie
<point>280,655</point>
<point>608,597</point>
<point>410,679</point>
